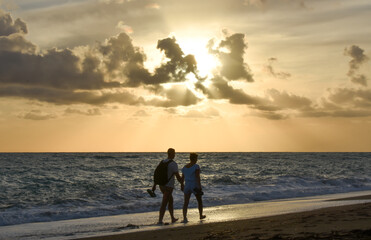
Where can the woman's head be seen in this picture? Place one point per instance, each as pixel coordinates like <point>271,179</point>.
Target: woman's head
<point>193,157</point>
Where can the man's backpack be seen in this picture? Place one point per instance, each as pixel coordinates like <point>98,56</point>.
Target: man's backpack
<point>160,175</point>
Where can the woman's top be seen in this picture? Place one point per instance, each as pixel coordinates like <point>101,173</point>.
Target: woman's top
<point>190,178</point>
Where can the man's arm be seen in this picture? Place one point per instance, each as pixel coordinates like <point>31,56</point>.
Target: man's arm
<point>178,177</point>
<point>180,180</point>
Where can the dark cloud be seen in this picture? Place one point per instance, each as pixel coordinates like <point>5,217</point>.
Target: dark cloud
<point>285,100</point>
<point>220,89</point>
<point>119,50</point>
<point>16,43</point>
<point>352,98</point>
<point>270,70</point>
<point>272,106</point>
<point>231,53</point>
<point>340,102</point>
<point>60,69</point>
<point>343,102</point>
<point>12,35</point>
<point>358,58</point>
<point>359,79</point>
<point>273,102</point>
<point>178,65</point>
<point>61,76</point>
<point>8,26</point>
<point>56,69</point>
<point>67,97</point>
<point>281,105</point>
<point>37,115</point>
<point>123,59</point>
<point>64,77</point>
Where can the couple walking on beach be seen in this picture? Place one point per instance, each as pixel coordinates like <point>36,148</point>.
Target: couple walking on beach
<point>190,184</point>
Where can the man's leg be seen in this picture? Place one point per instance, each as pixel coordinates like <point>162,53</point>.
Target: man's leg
<point>171,207</point>
<point>167,192</point>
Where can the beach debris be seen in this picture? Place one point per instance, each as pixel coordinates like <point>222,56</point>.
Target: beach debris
<point>130,226</point>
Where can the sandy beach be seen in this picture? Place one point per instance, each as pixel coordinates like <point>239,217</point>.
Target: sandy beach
<point>345,222</point>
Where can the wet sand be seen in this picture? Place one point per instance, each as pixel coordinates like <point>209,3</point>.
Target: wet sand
<point>345,222</point>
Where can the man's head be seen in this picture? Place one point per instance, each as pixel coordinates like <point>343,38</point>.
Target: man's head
<point>171,153</point>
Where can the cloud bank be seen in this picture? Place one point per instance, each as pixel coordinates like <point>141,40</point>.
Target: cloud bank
<point>113,71</point>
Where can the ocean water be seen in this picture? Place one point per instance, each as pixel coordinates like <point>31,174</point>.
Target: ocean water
<point>43,187</point>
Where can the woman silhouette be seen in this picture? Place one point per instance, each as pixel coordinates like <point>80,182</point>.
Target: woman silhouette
<point>191,176</point>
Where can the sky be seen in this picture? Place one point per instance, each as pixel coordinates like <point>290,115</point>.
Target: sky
<point>198,76</point>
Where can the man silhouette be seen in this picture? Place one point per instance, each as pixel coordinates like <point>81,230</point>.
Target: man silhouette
<point>167,190</point>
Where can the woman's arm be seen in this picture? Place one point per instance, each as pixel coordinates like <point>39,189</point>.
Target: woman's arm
<point>182,182</point>
<point>198,178</point>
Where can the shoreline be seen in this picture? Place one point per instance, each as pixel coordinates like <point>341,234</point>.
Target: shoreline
<point>238,217</point>
<point>340,222</point>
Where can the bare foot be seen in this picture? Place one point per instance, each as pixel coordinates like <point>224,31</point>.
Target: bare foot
<point>203,217</point>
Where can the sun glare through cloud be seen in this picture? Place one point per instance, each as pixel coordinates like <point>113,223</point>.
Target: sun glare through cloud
<point>206,62</point>
<point>207,65</point>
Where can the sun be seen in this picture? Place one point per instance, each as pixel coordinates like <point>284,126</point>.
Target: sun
<point>206,62</point>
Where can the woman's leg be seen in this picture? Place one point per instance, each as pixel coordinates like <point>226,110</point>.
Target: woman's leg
<point>185,206</point>
<point>200,206</point>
